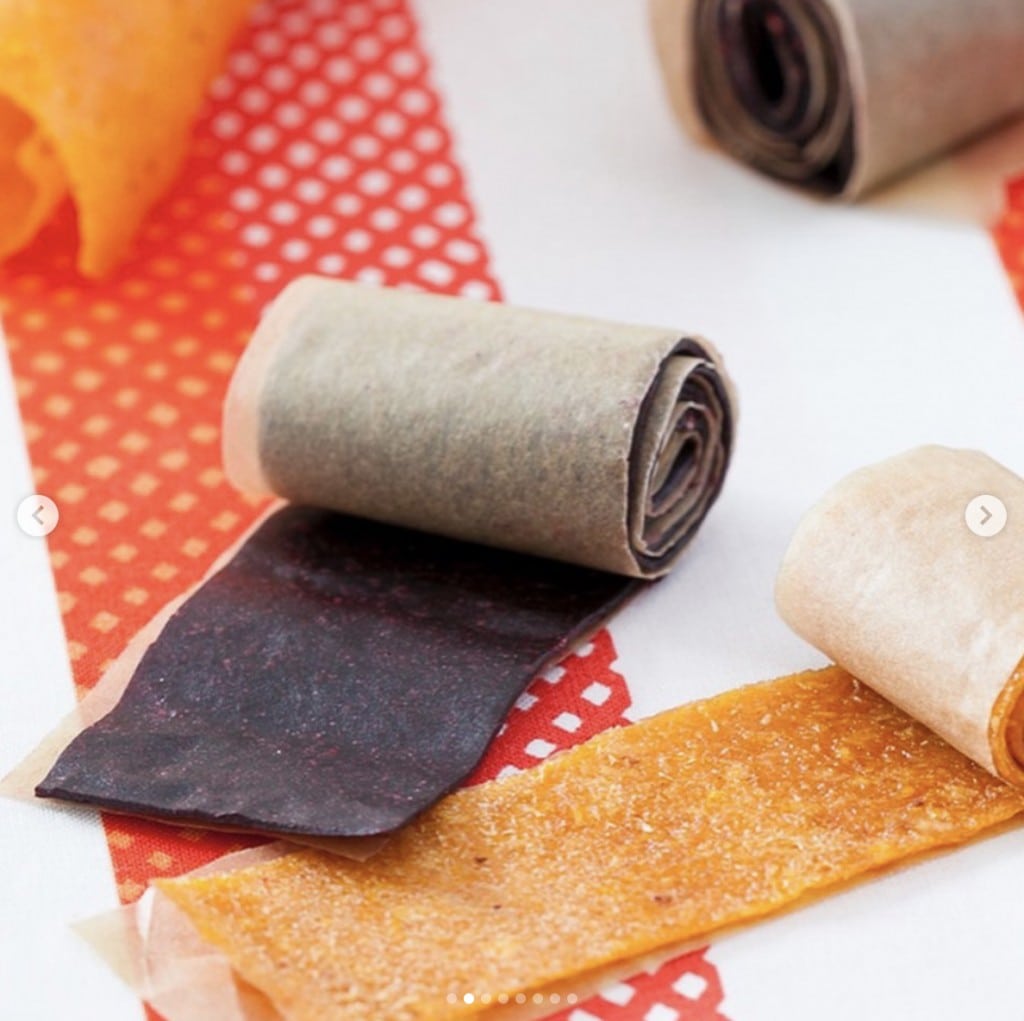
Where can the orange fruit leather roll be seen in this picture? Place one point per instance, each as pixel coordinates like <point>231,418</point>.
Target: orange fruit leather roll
<point>706,815</point>
<point>97,98</point>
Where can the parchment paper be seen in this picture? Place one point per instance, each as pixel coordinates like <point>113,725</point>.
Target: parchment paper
<point>596,443</point>
<point>154,950</point>
<point>840,95</point>
<point>885,577</point>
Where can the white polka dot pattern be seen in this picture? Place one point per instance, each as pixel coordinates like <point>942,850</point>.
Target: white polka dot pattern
<point>325,157</point>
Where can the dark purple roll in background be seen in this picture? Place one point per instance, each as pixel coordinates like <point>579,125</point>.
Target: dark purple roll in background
<point>839,96</point>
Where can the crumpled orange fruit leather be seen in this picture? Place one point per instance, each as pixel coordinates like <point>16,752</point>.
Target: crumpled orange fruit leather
<point>97,100</point>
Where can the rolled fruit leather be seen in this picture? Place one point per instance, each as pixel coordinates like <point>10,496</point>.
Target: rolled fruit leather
<point>594,443</point>
<point>885,577</point>
<point>767,793</point>
<point>337,675</point>
<point>838,96</point>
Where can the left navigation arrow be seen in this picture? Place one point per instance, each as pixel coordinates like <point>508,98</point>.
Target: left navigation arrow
<point>37,515</point>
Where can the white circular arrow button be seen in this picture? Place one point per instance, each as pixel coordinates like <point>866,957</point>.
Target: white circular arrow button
<point>985,515</point>
<point>37,515</point>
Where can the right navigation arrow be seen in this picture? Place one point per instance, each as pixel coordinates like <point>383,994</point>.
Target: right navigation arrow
<point>985,515</point>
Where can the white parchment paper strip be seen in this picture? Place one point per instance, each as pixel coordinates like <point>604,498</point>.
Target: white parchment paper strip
<point>885,576</point>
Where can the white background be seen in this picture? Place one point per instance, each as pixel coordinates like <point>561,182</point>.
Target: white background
<point>852,333</point>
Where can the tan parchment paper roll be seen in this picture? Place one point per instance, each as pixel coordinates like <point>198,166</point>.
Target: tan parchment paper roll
<point>596,443</point>
<point>885,577</point>
<point>840,95</point>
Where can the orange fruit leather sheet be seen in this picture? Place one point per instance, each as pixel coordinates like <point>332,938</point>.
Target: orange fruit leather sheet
<point>703,816</point>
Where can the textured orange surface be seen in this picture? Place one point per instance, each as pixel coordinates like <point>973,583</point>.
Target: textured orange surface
<point>101,96</point>
<point>31,179</point>
<point>703,816</point>
<point>1006,728</point>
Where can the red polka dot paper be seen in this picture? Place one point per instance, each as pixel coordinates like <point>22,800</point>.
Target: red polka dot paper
<point>323,149</point>
<point>684,989</point>
<point>1008,234</point>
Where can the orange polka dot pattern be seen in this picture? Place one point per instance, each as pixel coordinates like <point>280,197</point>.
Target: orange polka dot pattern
<point>321,149</point>
<point>1008,234</point>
